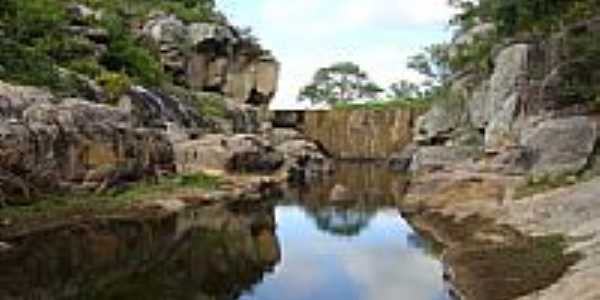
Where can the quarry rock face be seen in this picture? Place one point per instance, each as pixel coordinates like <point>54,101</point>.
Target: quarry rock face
<point>361,134</point>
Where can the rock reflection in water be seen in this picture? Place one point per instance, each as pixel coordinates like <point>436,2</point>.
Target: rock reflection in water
<point>211,253</point>
<point>357,249</point>
<point>369,187</point>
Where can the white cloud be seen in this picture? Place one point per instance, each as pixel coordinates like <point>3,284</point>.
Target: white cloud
<point>308,34</point>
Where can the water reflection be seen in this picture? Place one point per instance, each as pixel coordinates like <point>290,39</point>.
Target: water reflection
<point>308,248</point>
<point>212,253</point>
<point>368,188</point>
<point>359,249</point>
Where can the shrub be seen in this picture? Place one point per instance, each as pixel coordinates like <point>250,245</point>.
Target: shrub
<point>124,54</point>
<point>115,84</point>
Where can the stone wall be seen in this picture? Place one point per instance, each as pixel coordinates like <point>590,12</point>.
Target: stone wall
<point>361,134</point>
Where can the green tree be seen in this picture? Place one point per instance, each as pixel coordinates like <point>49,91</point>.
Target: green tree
<point>434,64</point>
<point>405,90</point>
<point>338,83</point>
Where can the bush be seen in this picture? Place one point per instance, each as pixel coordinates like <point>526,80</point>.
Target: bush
<point>124,54</point>
<point>211,105</point>
<point>115,85</point>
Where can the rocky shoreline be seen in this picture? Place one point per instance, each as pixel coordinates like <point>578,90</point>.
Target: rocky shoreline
<point>497,247</point>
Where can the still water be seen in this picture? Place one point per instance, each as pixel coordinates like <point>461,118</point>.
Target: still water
<point>304,247</point>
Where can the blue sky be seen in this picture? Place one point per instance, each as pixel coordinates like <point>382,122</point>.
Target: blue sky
<point>305,35</point>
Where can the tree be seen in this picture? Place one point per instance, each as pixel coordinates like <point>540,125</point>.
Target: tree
<point>405,90</point>
<point>340,82</point>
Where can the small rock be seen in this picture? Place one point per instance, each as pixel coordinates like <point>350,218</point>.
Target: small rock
<point>170,205</point>
<point>80,11</point>
<point>5,246</point>
<point>340,193</point>
<point>5,222</point>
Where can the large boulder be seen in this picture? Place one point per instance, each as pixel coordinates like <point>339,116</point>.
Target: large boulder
<point>305,161</point>
<point>504,94</point>
<point>77,144</point>
<point>278,136</point>
<point>221,59</point>
<point>218,153</point>
<point>436,126</point>
<point>15,99</point>
<point>560,146</point>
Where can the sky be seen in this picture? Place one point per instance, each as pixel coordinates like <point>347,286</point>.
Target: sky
<point>305,35</point>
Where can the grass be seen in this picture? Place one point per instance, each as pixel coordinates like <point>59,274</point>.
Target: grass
<point>211,105</point>
<point>65,206</point>
<point>386,104</point>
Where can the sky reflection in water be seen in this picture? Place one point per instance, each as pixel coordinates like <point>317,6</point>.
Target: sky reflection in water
<point>381,262</point>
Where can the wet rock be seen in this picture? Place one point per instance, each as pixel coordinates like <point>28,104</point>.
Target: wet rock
<point>560,146</point>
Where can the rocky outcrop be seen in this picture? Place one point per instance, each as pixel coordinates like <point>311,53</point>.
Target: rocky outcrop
<point>305,161</point>
<point>504,114</point>
<point>440,157</point>
<point>295,158</point>
<point>216,58</point>
<point>227,154</point>
<point>361,134</point>
<point>560,146</point>
<point>76,144</point>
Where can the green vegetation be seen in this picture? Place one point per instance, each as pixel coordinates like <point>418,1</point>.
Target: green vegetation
<point>558,25</point>
<point>37,40</point>
<point>53,207</point>
<point>212,105</point>
<point>386,104</point>
<point>115,84</point>
<point>339,83</point>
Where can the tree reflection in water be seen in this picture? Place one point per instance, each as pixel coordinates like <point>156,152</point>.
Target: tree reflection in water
<point>371,187</point>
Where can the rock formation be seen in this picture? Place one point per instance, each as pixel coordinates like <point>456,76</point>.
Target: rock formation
<point>215,57</point>
<point>514,116</point>
<point>211,116</point>
<point>361,134</point>
<point>72,143</point>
